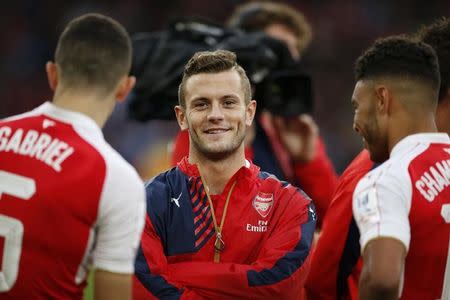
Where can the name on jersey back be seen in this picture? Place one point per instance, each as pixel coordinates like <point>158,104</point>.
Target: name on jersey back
<point>434,180</point>
<point>34,144</point>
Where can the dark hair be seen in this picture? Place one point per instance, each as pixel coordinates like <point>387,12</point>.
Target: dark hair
<point>213,62</point>
<point>437,35</point>
<point>93,51</point>
<point>399,56</point>
<point>256,16</point>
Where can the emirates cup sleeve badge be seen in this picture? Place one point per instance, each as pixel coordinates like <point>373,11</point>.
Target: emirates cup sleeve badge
<point>263,203</point>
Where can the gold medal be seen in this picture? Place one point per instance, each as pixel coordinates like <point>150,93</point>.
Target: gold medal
<point>219,245</point>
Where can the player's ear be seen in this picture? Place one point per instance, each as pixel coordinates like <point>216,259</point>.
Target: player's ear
<point>52,74</point>
<point>250,112</point>
<point>383,99</point>
<point>180,113</point>
<point>126,84</point>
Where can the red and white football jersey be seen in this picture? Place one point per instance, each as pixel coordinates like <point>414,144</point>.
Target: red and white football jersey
<point>68,201</point>
<point>408,198</point>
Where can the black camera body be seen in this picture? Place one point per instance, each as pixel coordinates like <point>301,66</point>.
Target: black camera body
<point>159,59</point>
<point>286,93</point>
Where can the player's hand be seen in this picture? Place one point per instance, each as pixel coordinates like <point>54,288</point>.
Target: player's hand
<point>298,135</point>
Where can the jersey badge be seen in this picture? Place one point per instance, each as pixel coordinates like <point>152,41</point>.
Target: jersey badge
<point>367,206</point>
<point>263,203</point>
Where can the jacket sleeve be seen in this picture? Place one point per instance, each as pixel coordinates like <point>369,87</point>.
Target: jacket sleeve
<point>307,174</point>
<point>333,273</point>
<point>155,282</point>
<point>279,271</point>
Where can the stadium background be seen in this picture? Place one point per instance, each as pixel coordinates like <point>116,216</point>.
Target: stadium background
<point>341,29</point>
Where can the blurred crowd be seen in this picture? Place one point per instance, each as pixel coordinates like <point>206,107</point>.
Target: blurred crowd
<point>341,30</point>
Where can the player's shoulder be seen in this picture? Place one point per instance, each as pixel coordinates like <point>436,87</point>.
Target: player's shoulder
<point>271,181</point>
<point>121,170</point>
<point>389,171</point>
<point>285,191</point>
<point>167,191</point>
<point>165,182</point>
<point>38,112</point>
<point>360,165</point>
<point>123,188</point>
<point>118,169</point>
<point>19,117</point>
<point>355,171</point>
<point>21,122</point>
<point>288,198</point>
<point>393,173</point>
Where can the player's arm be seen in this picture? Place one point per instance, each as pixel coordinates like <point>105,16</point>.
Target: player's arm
<point>328,278</point>
<point>111,286</point>
<point>152,278</point>
<point>381,204</point>
<point>322,282</point>
<point>118,230</point>
<point>384,260</point>
<point>307,174</point>
<point>279,271</point>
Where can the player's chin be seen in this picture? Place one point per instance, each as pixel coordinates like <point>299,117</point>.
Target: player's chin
<point>222,148</point>
<point>218,147</point>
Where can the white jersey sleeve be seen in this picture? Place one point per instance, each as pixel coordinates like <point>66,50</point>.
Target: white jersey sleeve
<point>381,204</point>
<point>121,217</point>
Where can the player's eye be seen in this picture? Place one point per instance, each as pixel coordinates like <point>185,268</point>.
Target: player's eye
<point>200,105</point>
<point>228,103</point>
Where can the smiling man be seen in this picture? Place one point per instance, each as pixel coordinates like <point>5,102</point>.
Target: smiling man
<point>336,275</point>
<point>402,208</point>
<point>233,231</point>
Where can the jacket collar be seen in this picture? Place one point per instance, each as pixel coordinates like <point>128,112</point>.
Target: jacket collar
<point>246,175</point>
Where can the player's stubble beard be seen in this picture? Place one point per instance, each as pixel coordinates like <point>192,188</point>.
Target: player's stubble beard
<point>223,152</point>
<point>376,141</point>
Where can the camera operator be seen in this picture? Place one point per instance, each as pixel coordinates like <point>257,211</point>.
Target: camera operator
<point>288,147</point>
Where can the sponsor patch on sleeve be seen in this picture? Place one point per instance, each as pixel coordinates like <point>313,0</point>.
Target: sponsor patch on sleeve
<point>367,206</point>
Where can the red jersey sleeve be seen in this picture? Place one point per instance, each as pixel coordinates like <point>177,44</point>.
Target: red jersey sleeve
<point>320,190</point>
<point>326,279</point>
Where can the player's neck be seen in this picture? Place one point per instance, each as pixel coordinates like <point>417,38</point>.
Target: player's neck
<point>408,126</point>
<point>443,114</point>
<point>217,173</point>
<point>85,103</point>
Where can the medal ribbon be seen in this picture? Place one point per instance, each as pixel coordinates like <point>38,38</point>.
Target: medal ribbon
<point>219,244</point>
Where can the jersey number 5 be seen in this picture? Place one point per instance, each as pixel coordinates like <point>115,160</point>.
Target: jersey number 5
<point>12,229</point>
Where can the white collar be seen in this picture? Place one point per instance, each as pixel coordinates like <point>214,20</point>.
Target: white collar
<point>406,143</point>
<point>72,117</point>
